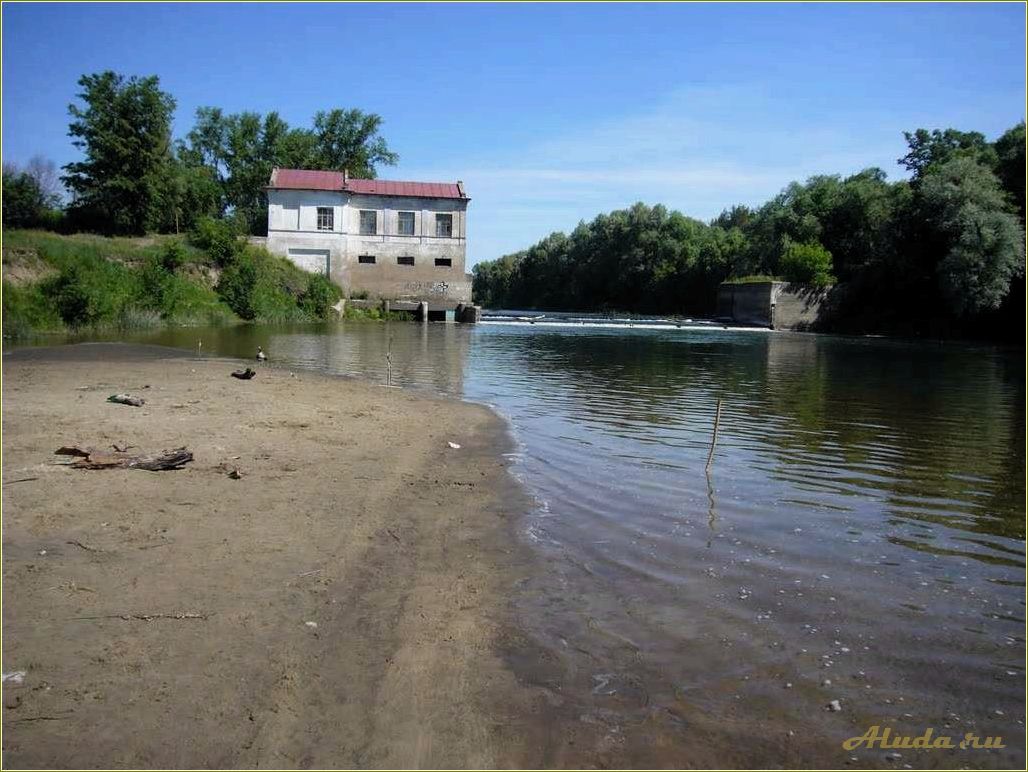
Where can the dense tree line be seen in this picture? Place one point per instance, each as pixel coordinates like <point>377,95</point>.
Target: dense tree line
<point>942,252</point>
<point>133,178</point>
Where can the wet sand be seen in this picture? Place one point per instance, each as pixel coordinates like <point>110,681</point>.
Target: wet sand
<point>343,604</point>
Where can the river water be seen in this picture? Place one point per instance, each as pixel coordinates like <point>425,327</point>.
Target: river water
<point>859,535</point>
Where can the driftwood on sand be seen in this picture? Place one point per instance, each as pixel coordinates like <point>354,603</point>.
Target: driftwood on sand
<point>127,399</point>
<point>90,458</point>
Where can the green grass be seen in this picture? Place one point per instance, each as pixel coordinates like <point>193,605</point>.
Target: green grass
<point>60,251</point>
<point>82,282</point>
<point>375,314</point>
<point>26,310</point>
<point>753,279</point>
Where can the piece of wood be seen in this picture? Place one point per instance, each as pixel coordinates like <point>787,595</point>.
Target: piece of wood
<point>105,459</point>
<point>127,399</point>
<point>168,459</point>
<point>713,440</point>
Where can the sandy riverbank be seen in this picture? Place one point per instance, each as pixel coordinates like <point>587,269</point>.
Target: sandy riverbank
<point>352,585</point>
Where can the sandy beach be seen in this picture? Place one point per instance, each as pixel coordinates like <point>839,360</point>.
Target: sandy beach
<point>342,604</point>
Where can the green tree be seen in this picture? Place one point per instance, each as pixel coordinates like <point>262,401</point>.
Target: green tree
<point>980,242</point>
<point>807,264</point>
<point>25,204</point>
<point>929,149</point>
<point>238,152</point>
<point>187,194</point>
<point>736,217</point>
<point>859,228</point>
<point>1010,167</point>
<point>124,131</point>
<point>349,139</point>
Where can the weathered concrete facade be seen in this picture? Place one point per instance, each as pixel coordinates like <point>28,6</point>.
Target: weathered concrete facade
<point>394,241</point>
<point>776,304</point>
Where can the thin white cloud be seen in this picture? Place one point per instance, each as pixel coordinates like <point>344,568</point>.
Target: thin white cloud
<point>699,151</point>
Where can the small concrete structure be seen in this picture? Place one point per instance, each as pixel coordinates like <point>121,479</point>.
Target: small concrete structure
<point>776,304</point>
<point>395,241</point>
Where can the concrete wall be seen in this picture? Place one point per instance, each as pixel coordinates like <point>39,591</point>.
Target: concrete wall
<point>745,303</point>
<point>779,305</point>
<point>292,233</point>
<point>798,306</point>
<point>297,210</point>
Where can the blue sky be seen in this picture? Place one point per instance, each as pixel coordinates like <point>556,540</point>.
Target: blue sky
<point>551,113</point>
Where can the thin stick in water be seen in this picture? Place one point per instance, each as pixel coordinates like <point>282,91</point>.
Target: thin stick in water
<point>713,440</point>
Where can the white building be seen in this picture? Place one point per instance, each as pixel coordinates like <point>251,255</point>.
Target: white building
<point>393,240</point>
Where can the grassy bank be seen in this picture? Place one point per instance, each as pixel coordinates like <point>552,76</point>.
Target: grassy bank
<point>54,283</point>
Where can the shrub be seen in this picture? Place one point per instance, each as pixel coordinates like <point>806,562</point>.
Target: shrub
<point>219,238</point>
<point>754,278</point>
<point>807,264</point>
<point>259,285</point>
<point>24,203</point>
<point>26,309</point>
<point>71,298</point>
<point>173,256</point>
<point>319,297</point>
<point>154,281</point>
<point>237,286</point>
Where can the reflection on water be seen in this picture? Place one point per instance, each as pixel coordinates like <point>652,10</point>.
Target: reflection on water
<point>862,522</point>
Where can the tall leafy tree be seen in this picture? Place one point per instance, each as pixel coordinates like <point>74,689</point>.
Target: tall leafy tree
<point>1010,166</point>
<point>188,195</point>
<point>980,242</point>
<point>349,139</point>
<point>241,149</point>
<point>123,128</point>
<point>928,149</point>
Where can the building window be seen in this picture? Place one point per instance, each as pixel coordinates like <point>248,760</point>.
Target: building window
<point>444,225</point>
<point>369,223</point>
<point>443,262</point>
<point>366,259</point>
<point>325,218</point>
<point>405,223</point>
<point>405,260</point>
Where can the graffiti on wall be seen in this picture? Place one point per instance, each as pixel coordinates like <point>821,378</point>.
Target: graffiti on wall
<point>431,287</point>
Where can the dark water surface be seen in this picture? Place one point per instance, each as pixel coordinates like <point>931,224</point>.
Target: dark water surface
<point>860,536</point>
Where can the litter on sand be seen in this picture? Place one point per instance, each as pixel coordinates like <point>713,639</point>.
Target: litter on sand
<point>244,375</point>
<point>90,458</point>
<point>14,677</point>
<point>453,445</point>
<point>126,399</point>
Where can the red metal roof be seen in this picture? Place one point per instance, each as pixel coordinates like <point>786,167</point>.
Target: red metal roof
<point>307,179</point>
<point>396,188</point>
